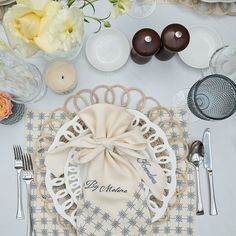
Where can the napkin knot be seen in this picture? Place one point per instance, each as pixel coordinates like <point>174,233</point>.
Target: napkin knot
<point>106,143</point>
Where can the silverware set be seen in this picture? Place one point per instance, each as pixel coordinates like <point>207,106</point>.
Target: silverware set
<point>24,170</point>
<point>201,152</point>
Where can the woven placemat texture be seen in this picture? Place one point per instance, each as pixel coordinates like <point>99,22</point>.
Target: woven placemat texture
<point>180,221</point>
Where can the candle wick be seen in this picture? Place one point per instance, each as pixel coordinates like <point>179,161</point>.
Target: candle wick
<point>62,77</point>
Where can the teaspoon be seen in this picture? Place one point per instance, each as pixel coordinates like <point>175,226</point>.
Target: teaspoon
<point>195,158</point>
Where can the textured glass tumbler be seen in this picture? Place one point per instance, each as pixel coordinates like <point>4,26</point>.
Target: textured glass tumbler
<point>213,98</point>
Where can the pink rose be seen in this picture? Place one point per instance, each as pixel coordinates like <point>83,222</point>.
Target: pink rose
<point>5,105</point>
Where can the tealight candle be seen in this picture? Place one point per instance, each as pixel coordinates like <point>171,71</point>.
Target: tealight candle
<point>61,76</point>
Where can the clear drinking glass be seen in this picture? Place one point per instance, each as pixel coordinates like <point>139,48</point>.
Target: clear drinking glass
<point>180,100</point>
<point>212,98</point>
<point>23,81</point>
<point>142,8</point>
<point>223,62</point>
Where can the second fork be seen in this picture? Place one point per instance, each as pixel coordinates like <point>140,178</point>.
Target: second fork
<point>28,178</point>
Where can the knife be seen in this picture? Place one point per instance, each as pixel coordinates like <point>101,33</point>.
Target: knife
<point>208,166</point>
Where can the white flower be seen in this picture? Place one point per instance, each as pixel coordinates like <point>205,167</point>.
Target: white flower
<point>63,33</point>
<point>121,7</point>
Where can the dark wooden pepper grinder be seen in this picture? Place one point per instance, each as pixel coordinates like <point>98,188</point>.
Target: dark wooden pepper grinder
<point>146,43</point>
<point>174,38</point>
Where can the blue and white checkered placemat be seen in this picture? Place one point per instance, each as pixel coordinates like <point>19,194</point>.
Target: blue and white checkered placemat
<point>181,219</point>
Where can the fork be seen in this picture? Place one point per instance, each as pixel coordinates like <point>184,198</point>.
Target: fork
<point>18,166</point>
<point>28,176</point>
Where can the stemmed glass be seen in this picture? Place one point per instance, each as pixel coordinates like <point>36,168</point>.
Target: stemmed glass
<point>223,61</point>
<point>142,8</point>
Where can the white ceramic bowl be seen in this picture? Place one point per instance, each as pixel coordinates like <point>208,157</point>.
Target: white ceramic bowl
<point>107,50</point>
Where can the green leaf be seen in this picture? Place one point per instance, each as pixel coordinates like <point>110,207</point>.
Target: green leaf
<point>113,1</point>
<point>70,3</point>
<point>107,24</point>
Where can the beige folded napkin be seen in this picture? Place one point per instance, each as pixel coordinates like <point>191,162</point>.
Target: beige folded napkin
<point>115,157</point>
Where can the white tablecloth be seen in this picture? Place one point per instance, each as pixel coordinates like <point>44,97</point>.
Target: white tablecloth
<point>161,80</point>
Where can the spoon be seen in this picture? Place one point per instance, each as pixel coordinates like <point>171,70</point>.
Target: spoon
<point>195,158</point>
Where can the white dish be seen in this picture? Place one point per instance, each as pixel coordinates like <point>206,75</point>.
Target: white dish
<point>66,189</point>
<point>203,43</point>
<point>107,50</point>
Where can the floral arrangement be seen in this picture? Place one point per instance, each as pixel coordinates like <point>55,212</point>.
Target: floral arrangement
<point>52,26</point>
<point>5,106</point>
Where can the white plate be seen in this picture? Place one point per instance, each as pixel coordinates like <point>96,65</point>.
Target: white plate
<point>107,50</point>
<point>65,189</point>
<point>203,43</point>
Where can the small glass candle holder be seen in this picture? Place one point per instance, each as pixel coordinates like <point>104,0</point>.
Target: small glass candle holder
<point>174,38</point>
<point>61,76</point>
<point>146,43</point>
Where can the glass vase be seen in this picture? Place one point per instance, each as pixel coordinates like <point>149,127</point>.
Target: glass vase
<point>23,81</point>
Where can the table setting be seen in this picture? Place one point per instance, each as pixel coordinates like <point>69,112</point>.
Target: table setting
<point>115,116</point>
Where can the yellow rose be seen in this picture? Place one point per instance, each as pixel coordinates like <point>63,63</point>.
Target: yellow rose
<point>22,23</point>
